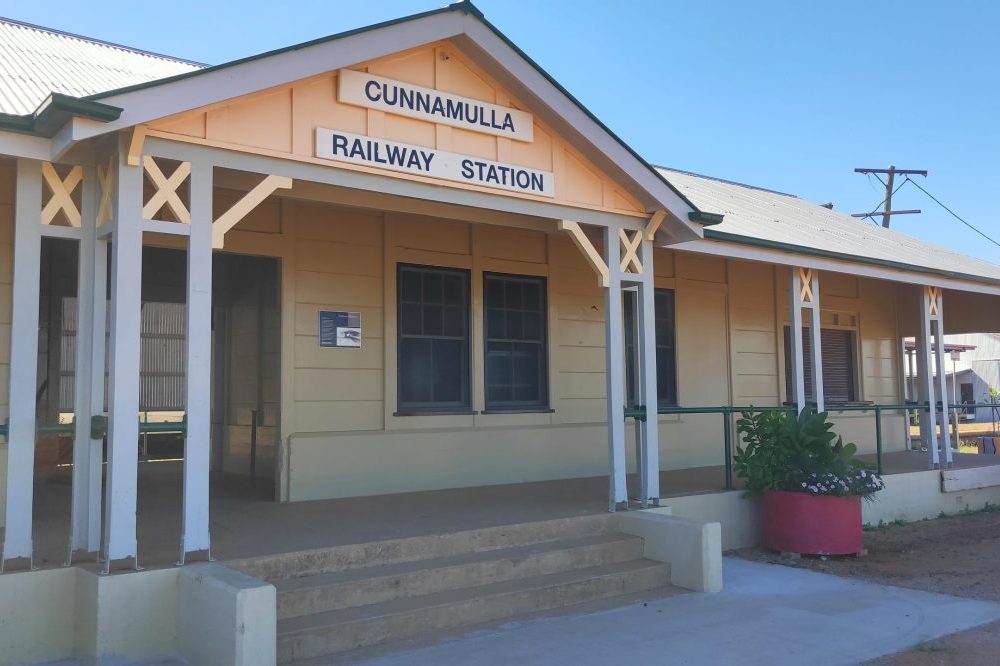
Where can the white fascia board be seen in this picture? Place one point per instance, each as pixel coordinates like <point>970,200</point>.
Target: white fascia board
<point>524,76</point>
<point>15,144</point>
<point>203,88</point>
<point>786,258</point>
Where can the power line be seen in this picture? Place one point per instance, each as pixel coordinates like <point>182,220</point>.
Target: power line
<point>889,191</point>
<point>954,214</point>
<point>870,216</point>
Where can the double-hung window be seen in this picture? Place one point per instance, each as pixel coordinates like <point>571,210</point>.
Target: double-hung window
<point>666,351</point>
<point>433,348</point>
<point>515,340</point>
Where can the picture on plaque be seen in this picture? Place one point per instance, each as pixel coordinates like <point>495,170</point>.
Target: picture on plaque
<point>339,329</point>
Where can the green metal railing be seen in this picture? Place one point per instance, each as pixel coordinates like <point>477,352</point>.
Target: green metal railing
<point>639,413</point>
<point>99,427</point>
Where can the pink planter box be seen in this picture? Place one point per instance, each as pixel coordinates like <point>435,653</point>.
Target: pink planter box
<point>811,524</point>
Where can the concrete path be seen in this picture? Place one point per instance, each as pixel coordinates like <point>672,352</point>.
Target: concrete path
<point>767,615</point>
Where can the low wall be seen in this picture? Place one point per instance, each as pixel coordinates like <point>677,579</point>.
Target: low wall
<point>918,495</point>
<point>37,615</point>
<point>911,496</point>
<point>353,464</point>
<point>326,466</point>
<point>201,614</point>
<point>218,602</point>
<point>739,517</point>
<point>333,465</point>
<point>691,547</point>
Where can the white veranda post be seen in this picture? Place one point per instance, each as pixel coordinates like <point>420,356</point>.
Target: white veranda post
<point>23,361</point>
<point>933,380</point>
<point>123,373</point>
<point>88,444</point>
<point>198,372</point>
<point>649,429</point>
<point>627,259</point>
<point>804,295</point>
<point>614,336</point>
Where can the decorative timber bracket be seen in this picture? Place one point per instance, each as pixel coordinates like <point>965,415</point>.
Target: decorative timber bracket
<point>654,224</point>
<point>241,208</point>
<point>587,248</point>
<point>629,247</point>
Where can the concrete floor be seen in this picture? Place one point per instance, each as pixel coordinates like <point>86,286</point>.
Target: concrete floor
<point>245,522</point>
<point>898,462</point>
<point>767,615</point>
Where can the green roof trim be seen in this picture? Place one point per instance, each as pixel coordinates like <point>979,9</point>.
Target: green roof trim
<point>705,219</point>
<point>53,113</point>
<point>469,8</point>
<point>466,7</point>
<point>725,236</point>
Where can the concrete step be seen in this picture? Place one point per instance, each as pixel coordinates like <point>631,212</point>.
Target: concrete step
<point>338,631</point>
<point>371,585</point>
<point>411,549</point>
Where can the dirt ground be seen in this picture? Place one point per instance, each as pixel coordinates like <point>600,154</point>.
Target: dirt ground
<point>957,555</point>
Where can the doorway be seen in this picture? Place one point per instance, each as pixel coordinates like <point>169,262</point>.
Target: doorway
<point>246,342</point>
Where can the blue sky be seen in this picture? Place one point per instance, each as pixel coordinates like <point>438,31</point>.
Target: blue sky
<point>785,95</point>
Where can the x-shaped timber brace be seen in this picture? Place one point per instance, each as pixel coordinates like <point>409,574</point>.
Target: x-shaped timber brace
<point>112,215</point>
<point>627,260</point>
<point>61,194</point>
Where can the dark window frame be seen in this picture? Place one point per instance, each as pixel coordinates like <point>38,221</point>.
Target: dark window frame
<point>414,408</point>
<point>543,404</point>
<point>830,397</point>
<point>630,317</point>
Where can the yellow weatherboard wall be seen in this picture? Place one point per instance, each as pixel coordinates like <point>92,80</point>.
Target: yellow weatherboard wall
<point>343,437</point>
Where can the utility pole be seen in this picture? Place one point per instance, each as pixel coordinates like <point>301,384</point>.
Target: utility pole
<point>890,173</point>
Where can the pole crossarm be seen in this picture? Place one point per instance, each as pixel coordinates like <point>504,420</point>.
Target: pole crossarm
<point>242,208</point>
<point>61,194</point>
<point>890,173</point>
<point>587,248</point>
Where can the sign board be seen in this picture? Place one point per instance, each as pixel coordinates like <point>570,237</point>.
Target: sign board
<point>339,329</point>
<point>405,99</point>
<point>424,161</point>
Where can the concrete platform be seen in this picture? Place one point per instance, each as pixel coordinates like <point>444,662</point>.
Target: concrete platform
<point>767,615</point>
<point>246,522</point>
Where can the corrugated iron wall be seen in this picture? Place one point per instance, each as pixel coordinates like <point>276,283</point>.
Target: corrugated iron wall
<point>161,369</point>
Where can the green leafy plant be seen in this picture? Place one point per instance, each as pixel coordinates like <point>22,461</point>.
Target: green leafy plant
<point>781,451</point>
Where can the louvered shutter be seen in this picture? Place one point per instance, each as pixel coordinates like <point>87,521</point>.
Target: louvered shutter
<point>838,365</point>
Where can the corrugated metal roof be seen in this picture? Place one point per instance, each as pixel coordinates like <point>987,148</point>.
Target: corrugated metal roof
<point>756,213</point>
<point>36,61</point>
